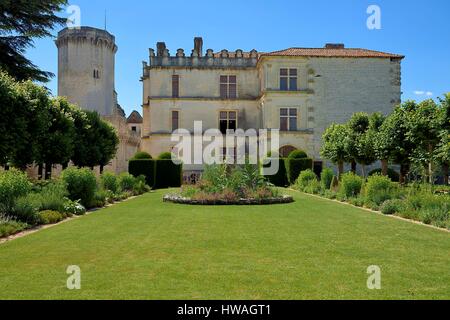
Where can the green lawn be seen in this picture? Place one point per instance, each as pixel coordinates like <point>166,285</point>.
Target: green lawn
<point>311,249</point>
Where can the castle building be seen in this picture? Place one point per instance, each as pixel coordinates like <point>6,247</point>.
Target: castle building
<point>86,73</point>
<point>300,91</point>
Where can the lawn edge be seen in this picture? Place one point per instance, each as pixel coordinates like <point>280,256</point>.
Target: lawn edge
<point>28,232</point>
<point>374,211</point>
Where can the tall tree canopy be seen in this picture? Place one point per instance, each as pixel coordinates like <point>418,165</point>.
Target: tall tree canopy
<point>334,147</point>
<point>20,22</point>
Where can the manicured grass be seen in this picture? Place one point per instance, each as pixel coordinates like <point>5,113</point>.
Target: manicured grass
<point>146,249</point>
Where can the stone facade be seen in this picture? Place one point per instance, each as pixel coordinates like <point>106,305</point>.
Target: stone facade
<point>86,71</point>
<point>332,83</point>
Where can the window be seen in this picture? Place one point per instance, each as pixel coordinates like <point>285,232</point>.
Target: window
<point>288,119</point>
<point>175,86</point>
<point>175,120</point>
<point>227,121</point>
<point>96,74</point>
<point>288,79</point>
<point>228,87</point>
<point>134,129</point>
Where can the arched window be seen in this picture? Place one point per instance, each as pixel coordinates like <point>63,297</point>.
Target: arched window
<point>286,151</point>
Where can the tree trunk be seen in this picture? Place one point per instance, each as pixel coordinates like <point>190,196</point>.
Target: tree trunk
<point>48,171</point>
<point>430,165</point>
<point>384,167</point>
<point>445,170</point>
<point>101,169</point>
<point>340,169</point>
<point>40,168</point>
<point>363,168</point>
<point>404,169</point>
<point>354,166</point>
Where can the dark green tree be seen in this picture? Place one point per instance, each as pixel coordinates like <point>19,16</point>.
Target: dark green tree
<point>108,143</point>
<point>334,146</point>
<point>20,22</point>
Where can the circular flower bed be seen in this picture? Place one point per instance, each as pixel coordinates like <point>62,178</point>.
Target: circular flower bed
<point>241,202</point>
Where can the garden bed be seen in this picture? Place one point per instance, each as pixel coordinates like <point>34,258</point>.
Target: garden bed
<point>240,202</point>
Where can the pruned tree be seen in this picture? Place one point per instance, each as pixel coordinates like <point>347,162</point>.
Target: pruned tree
<point>334,146</point>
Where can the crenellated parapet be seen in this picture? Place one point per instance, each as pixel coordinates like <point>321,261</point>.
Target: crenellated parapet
<point>93,36</point>
<point>196,59</point>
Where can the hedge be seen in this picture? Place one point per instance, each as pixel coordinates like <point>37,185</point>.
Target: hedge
<point>280,178</point>
<point>158,174</point>
<point>295,166</point>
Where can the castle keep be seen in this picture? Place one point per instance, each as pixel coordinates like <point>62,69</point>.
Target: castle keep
<point>300,91</point>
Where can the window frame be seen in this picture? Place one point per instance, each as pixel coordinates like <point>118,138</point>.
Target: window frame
<point>288,117</point>
<point>172,112</point>
<point>228,85</point>
<point>228,119</point>
<point>289,75</point>
<point>176,80</point>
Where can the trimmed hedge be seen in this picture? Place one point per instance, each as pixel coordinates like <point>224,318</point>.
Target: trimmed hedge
<point>158,174</point>
<point>280,178</point>
<point>295,166</point>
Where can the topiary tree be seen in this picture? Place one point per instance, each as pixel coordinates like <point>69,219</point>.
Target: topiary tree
<point>165,156</point>
<point>334,146</point>
<point>142,155</point>
<point>298,154</point>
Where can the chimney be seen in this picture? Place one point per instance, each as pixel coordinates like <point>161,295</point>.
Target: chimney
<point>198,46</point>
<point>160,48</point>
<point>334,46</point>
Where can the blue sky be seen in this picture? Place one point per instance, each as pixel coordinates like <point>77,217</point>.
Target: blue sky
<point>417,29</point>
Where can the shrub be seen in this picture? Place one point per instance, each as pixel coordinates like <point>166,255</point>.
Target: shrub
<point>392,174</point>
<point>358,201</point>
<point>379,188</point>
<point>313,187</point>
<point>145,168</point>
<point>168,174</point>
<point>52,196</point>
<point>165,156</point>
<point>439,217</point>
<point>326,178</point>
<point>26,210</point>
<point>298,154</point>
<point>50,217</point>
<point>81,184</point>
<point>329,194</point>
<point>9,226</point>
<point>140,187</point>
<point>304,179</point>
<point>126,182</point>
<point>350,186</point>
<point>141,155</point>
<point>394,206</point>
<point>295,166</point>
<point>280,178</point>
<point>109,181</point>
<point>13,184</point>
<point>334,184</point>
<point>74,208</point>
<point>100,198</point>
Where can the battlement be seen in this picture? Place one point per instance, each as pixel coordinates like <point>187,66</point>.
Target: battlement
<point>222,59</point>
<point>94,36</point>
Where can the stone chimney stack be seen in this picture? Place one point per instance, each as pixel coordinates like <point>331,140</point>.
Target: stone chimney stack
<point>198,46</point>
<point>334,46</point>
<point>160,48</point>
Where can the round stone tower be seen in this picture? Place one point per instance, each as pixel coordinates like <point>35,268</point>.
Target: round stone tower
<point>86,68</point>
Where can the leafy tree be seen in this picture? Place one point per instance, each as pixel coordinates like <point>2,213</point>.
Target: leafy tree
<point>442,154</point>
<point>21,21</point>
<point>108,143</point>
<point>334,146</point>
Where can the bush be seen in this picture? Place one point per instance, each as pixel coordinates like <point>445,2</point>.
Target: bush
<point>358,201</point>
<point>141,155</point>
<point>52,196</point>
<point>168,174</point>
<point>304,179</point>
<point>165,156</point>
<point>140,187</point>
<point>74,208</point>
<point>350,186</point>
<point>81,184</point>
<point>298,154</point>
<point>394,206</point>
<point>26,210</point>
<point>109,182</point>
<point>379,188</point>
<point>326,178</point>
<point>329,194</point>
<point>295,166</point>
<point>126,182</point>
<point>334,184</point>
<point>10,227</point>
<point>313,187</point>
<point>392,174</point>
<point>439,217</point>
<point>50,217</point>
<point>145,168</point>
<point>13,184</point>
<point>280,178</point>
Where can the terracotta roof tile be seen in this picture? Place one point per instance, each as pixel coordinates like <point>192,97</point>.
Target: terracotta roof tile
<point>135,117</point>
<point>333,52</point>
